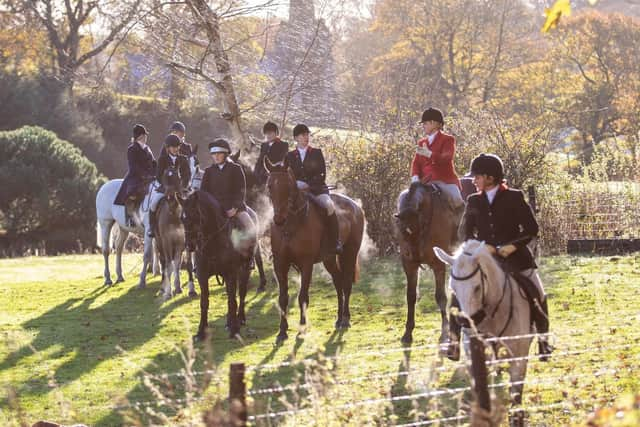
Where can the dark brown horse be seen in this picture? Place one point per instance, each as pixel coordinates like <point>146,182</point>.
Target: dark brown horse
<point>298,238</point>
<point>217,253</point>
<point>424,221</point>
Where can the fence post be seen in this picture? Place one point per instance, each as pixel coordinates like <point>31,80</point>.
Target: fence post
<point>480,387</point>
<point>237,395</point>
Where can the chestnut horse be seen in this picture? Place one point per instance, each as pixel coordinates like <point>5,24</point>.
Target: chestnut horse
<point>424,220</point>
<point>298,238</point>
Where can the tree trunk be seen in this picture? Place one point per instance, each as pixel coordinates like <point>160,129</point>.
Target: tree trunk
<point>231,114</point>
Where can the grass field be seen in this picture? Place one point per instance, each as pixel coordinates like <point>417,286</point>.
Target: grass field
<point>75,351</point>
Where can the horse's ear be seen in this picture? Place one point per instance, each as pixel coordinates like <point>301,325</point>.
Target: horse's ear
<point>443,256</point>
<point>236,156</point>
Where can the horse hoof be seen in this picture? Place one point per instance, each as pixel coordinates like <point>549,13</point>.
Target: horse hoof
<point>166,297</point>
<point>261,289</point>
<point>108,282</point>
<point>193,294</point>
<point>120,280</point>
<point>142,286</point>
<point>406,339</point>
<point>242,322</point>
<point>281,338</point>
<point>177,291</point>
<point>346,324</point>
<point>199,337</point>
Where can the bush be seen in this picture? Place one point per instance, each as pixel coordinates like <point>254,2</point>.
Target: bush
<point>48,193</point>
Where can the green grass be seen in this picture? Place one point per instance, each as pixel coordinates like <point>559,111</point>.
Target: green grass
<point>73,350</point>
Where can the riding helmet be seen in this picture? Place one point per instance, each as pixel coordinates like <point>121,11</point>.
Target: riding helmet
<point>139,130</point>
<point>487,164</point>
<point>432,114</point>
<point>220,145</point>
<point>300,129</point>
<point>179,127</point>
<point>172,141</point>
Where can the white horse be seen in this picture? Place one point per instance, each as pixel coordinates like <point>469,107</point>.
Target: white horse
<point>109,214</point>
<point>499,308</point>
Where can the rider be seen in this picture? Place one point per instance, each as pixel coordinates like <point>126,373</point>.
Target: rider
<point>226,182</point>
<point>433,161</point>
<point>171,158</point>
<point>180,130</point>
<point>273,148</point>
<point>500,216</point>
<point>310,171</point>
<point>142,166</point>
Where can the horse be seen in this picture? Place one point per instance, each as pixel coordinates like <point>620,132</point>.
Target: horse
<point>219,252</point>
<point>170,238</point>
<point>423,221</point>
<point>297,232</point>
<point>109,214</point>
<point>500,309</point>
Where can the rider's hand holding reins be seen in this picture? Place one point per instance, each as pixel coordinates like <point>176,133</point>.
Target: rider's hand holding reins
<point>232,212</point>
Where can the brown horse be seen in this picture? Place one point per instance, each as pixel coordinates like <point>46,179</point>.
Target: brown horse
<point>424,221</point>
<point>298,238</point>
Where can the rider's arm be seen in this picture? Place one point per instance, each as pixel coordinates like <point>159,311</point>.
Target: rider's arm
<point>415,167</point>
<point>319,175</point>
<point>241,184</point>
<point>526,219</point>
<point>159,169</point>
<point>445,153</point>
<point>185,173</point>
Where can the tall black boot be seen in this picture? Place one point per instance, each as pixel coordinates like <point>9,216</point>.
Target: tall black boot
<point>152,224</point>
<point>541,320</point>
<point>334,234</point>
<point>129,209</point>
<point>453,349</point>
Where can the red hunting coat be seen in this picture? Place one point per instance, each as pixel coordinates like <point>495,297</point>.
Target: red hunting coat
<point>438,167</point>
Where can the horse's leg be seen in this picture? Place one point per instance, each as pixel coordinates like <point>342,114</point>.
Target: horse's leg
<point>242,287</point>
<point>336,277</point>
<point>203,281</point>
<point>120,241</point>
<point>441,299</point>
<point>348,261</point>
<point>166,277</point>
<point>105,233</point>
<point>177,263</point>
<point>303,296</point>
<point>190,268</point>
<point>231,282</point>
<point>282,272</point>
<point>263,278</point>
<point>517,372</point>
<point>411,271</point>
<point>146,260</point>
<point>156,266</point>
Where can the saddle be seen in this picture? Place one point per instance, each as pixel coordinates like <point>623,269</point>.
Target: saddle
<point>531,291</point>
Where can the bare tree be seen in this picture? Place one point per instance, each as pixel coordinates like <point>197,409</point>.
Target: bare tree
<point>68,23</point>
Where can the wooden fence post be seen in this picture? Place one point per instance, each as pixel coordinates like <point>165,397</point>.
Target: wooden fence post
<point>237,395</point>
<point>480,417</point>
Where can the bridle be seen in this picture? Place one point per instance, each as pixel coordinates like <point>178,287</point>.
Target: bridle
<point>293,198</point>
<point>481,314</point>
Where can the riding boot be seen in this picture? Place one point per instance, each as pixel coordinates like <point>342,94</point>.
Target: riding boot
<point>541,320</point>
<point>334,234</point>
<point>453,349</point>
<point>152,224</point>
<point>129,209</point>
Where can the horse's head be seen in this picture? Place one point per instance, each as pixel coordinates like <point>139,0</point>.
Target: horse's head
<point>473,277</point>
<point>170,180</point>
<point>281,185</point>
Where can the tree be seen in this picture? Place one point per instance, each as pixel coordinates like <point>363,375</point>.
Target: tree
<point>67,27</point>
<point>601,102</point>
<point>48,192</point>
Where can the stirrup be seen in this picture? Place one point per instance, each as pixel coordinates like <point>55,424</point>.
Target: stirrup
<point>544,350</point>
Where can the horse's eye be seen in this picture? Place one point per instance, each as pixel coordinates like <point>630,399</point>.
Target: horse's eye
<point>476,289</point>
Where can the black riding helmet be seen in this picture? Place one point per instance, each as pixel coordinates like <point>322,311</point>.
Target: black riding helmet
<point>220,145</point>
<point>179,127</point>
<point>487,164</point>
<point>270,127</point>
<point>172,141</point>
<point>139,130</point>
<point>432,114</point>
